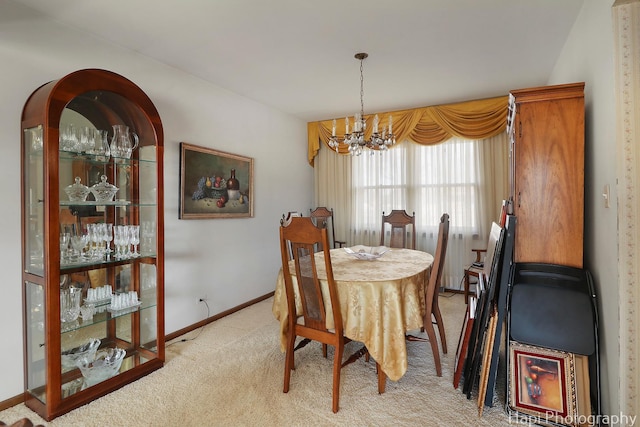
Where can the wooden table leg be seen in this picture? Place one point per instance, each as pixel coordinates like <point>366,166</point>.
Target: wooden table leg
<point>382,379</point>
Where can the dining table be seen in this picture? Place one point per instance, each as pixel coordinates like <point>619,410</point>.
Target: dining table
<point>380,300</point>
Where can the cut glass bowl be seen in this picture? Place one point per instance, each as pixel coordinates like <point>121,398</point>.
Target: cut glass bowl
<point>366,252</point>
<point>104,365</point>
<point>86,350</point>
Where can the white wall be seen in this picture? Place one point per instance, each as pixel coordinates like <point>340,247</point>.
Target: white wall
<point>588,56</point>
<point>230,260</point>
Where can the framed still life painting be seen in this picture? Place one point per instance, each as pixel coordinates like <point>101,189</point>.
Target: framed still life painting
<point>542,383</point>
<point>214,184</point>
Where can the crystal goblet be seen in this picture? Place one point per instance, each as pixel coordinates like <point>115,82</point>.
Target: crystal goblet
<point>134,238</point>
<point>65,239</point>
<point>78,243</point>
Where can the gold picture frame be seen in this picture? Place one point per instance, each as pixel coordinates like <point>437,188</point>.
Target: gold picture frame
<point>542,384</point>
<point>214,184</point>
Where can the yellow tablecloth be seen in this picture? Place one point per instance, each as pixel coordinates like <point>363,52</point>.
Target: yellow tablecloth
<point>380,300</point>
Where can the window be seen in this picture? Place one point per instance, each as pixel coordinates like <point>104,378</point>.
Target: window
<point>465,178</point>
<point>427,180</point>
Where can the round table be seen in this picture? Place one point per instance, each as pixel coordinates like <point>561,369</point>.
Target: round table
<point>379,301</point>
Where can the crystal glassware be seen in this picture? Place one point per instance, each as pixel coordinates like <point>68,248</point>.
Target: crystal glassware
<point>105,364</point>
<point>107,237</point>
<point>95,236</point>
<point>101,147</point>
<point>87,139</point>
<point>69,138</point>
<point>78,243</point>
<point>120,240</point>
<point>70,304</point>
<point>134,239</point>
<point>86,350</point>
<point>121,143</point>
<point>87,311</point>
<point>103,191</point>
<point>65,239</point>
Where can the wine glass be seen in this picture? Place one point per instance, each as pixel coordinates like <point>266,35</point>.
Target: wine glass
<point>65,238</point>
<point>107,237</point>
<point>120,240</point>
<point>96,240</point>
<point>78,242</point>
<point>134,238</point>
<point>117,240</point>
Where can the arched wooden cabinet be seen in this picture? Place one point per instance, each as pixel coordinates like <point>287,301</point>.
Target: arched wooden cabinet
<point>120,274</point>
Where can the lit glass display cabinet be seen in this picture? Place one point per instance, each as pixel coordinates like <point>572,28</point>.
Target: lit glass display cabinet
<point>93,240</point>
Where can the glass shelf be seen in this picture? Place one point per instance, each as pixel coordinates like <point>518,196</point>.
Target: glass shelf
<point>103,316</point>
<point>97,264</point>
<point>96,160</point>
<point>94,203</point>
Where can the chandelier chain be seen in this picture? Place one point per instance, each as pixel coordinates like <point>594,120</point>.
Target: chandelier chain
<point>361,90</point>
<point>355,140</point>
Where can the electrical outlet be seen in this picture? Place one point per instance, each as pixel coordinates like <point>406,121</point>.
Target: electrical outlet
<point>202,298</point>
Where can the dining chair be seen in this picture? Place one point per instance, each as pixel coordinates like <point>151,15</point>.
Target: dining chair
<point>432,313</point>
<point>24,422</point>
<point>322,217</point>
<point>300,235</point>
<point>482,264</point>
<point>399,222</point>
<point>291,214</point>
<point>286,218</point>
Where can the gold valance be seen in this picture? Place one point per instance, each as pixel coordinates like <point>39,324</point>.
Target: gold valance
<point>427,125</point>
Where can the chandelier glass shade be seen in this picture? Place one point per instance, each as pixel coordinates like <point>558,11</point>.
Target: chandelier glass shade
<point>381,138</point>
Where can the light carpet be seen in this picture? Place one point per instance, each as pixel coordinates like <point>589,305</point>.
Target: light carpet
<point>231,374</point>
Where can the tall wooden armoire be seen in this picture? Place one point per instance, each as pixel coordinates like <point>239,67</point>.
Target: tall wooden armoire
<point>546,129</point>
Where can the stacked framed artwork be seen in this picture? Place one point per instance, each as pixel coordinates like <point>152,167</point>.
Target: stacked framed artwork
<point>553,363</point>
<point>550,344</point>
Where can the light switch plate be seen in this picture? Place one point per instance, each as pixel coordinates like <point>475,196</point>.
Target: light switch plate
<point>606,195</point>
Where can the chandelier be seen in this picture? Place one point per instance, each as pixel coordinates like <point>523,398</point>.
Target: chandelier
<point>379,140</point>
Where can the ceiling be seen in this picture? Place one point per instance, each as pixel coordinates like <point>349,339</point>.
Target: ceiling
<point>298,55</point>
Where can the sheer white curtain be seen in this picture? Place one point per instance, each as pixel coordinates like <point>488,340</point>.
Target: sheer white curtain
<point>466,179</point>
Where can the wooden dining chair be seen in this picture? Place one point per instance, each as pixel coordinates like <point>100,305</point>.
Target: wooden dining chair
<point>399,222</point>
<point>300,235</point>
<point>287,218</point>
<point>323,217</point>
<point>432,313</point>
<point>482,263</point>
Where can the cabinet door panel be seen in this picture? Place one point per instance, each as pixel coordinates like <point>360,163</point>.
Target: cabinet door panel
<point>549,182</point>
